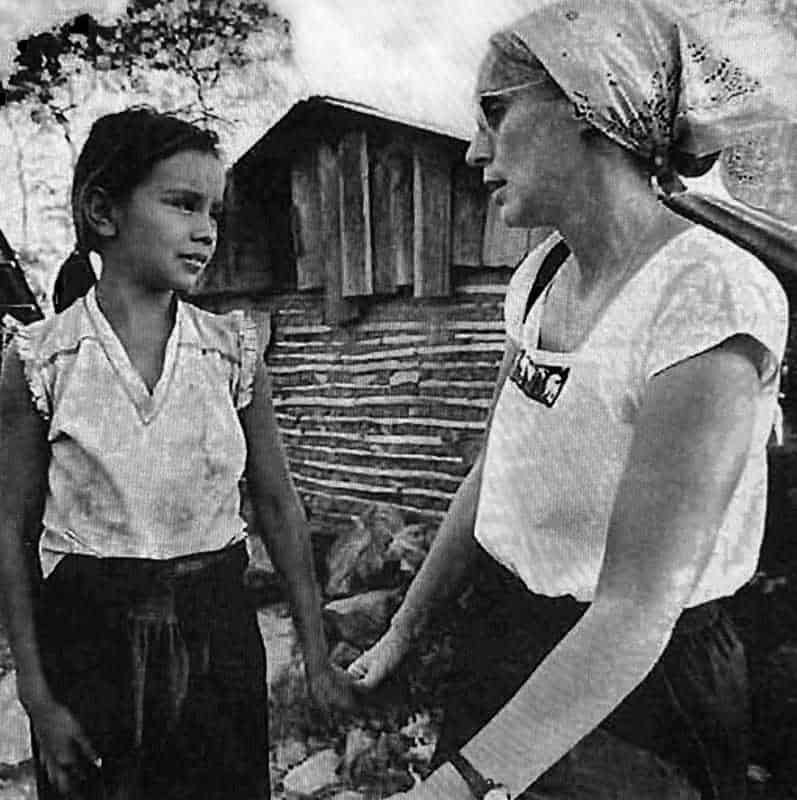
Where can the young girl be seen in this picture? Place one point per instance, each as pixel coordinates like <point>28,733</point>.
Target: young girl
<point>127,421</point>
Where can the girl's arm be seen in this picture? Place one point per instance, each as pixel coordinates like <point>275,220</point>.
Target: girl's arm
<point>286,537</point>
<point>443,569</point>
<point>689,448</point>
<point>24,458</point>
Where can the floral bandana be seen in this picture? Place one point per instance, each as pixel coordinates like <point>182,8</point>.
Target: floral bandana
<point>641,76</point>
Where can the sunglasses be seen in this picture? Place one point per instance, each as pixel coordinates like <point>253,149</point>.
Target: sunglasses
<point>492,104</point>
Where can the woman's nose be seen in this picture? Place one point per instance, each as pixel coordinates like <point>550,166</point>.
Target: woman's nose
<point>480,151</point>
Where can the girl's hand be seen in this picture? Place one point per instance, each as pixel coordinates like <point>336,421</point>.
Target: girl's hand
<point>375,664</point>
<point>331,689</point>
<point>66,753</point>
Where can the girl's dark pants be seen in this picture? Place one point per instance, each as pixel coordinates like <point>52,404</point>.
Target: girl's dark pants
<point>163,665</point>
<point>689,717</point>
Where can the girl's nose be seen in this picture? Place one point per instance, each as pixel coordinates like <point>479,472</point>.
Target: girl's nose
<point>206,233</point>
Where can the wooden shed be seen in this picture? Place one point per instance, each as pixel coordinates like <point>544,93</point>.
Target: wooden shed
<point>383,267</point>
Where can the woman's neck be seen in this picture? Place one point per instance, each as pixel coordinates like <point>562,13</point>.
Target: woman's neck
<point>616,227</point>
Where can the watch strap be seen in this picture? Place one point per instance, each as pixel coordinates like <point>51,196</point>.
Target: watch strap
<point>478,784</point>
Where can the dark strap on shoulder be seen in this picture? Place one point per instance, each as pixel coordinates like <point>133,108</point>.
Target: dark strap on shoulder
<point>556,256</point>
<point>478,784</point>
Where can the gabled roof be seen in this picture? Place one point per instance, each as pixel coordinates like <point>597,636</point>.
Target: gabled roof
<point>311,117</point>
<point>373,111</point>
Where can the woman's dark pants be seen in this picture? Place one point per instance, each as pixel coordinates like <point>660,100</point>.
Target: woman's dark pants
<point>690,718</point>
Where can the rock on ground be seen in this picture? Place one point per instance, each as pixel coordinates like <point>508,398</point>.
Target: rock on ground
<point>363,618</point>
<point>315,774</point>
<point>18,790</point>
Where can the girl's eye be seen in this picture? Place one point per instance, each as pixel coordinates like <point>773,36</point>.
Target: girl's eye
<point>187,204</point>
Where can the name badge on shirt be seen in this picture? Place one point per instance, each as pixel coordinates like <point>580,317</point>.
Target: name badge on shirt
<point>540,382</point>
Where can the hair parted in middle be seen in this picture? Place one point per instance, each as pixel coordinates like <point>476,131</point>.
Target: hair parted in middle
<point>120,152</point>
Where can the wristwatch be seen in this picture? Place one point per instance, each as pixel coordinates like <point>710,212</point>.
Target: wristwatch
<point>482,788</point>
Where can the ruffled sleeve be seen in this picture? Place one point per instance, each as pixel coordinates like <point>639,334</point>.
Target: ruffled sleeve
<point>254,332</point>
<point>25,344</point>
<point>712,300</point>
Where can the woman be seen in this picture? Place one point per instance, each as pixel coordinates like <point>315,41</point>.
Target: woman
<point>611,507</point>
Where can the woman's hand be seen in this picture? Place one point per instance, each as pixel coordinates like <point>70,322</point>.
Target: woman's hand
<point>65,751</point>
<point>375,664</point>
<point>331,689</point>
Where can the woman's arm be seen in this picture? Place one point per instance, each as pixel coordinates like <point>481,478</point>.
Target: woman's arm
<point>286,537</point>
<point>24,458</point>
<point>443,569</point>
<point>689,448</point>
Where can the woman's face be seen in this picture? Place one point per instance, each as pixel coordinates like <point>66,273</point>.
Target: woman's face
<point>527,142</point>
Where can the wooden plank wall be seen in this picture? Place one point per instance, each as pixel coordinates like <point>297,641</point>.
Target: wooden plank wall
<point>392,408</point>
<point>407,211</point>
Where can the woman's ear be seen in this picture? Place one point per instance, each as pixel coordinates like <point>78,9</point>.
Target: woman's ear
<point>98,212</point>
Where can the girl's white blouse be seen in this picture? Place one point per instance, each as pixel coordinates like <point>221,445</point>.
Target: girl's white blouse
<point>135,473</point>
<point>556,453</point>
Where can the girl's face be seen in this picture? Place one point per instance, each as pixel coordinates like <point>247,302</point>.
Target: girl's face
<point>528,144</point>
<point>166,229</point>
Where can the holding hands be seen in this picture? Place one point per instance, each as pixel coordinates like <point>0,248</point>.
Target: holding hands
<point>379,661</point>
<point>331,689</point>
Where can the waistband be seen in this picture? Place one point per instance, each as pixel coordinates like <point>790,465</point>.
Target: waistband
<point>118,580</point>
<point>495,577</point>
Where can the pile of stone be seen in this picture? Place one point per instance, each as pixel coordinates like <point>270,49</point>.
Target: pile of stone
<point>369,568</point>
<point>376,753</point>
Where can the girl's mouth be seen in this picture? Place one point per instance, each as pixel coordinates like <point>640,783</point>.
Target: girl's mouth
<point>195,263</point>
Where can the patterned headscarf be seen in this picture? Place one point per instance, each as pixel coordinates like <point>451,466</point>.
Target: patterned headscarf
<point>644,78</point>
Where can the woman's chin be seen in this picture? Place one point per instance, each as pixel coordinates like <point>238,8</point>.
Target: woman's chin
<point>513,217</point>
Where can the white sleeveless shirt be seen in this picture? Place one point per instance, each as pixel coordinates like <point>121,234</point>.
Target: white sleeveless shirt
<point>563,423</point>
<point>135,473</point>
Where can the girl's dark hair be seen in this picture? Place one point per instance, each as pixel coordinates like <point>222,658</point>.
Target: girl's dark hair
<point>118,155</point>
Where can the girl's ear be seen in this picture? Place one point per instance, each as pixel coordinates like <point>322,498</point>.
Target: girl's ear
<point>98,212</point>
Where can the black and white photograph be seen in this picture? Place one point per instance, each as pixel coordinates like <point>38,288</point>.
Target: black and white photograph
<point>398,400</point>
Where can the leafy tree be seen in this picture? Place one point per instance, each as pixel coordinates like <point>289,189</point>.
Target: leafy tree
<point>195,39</point>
